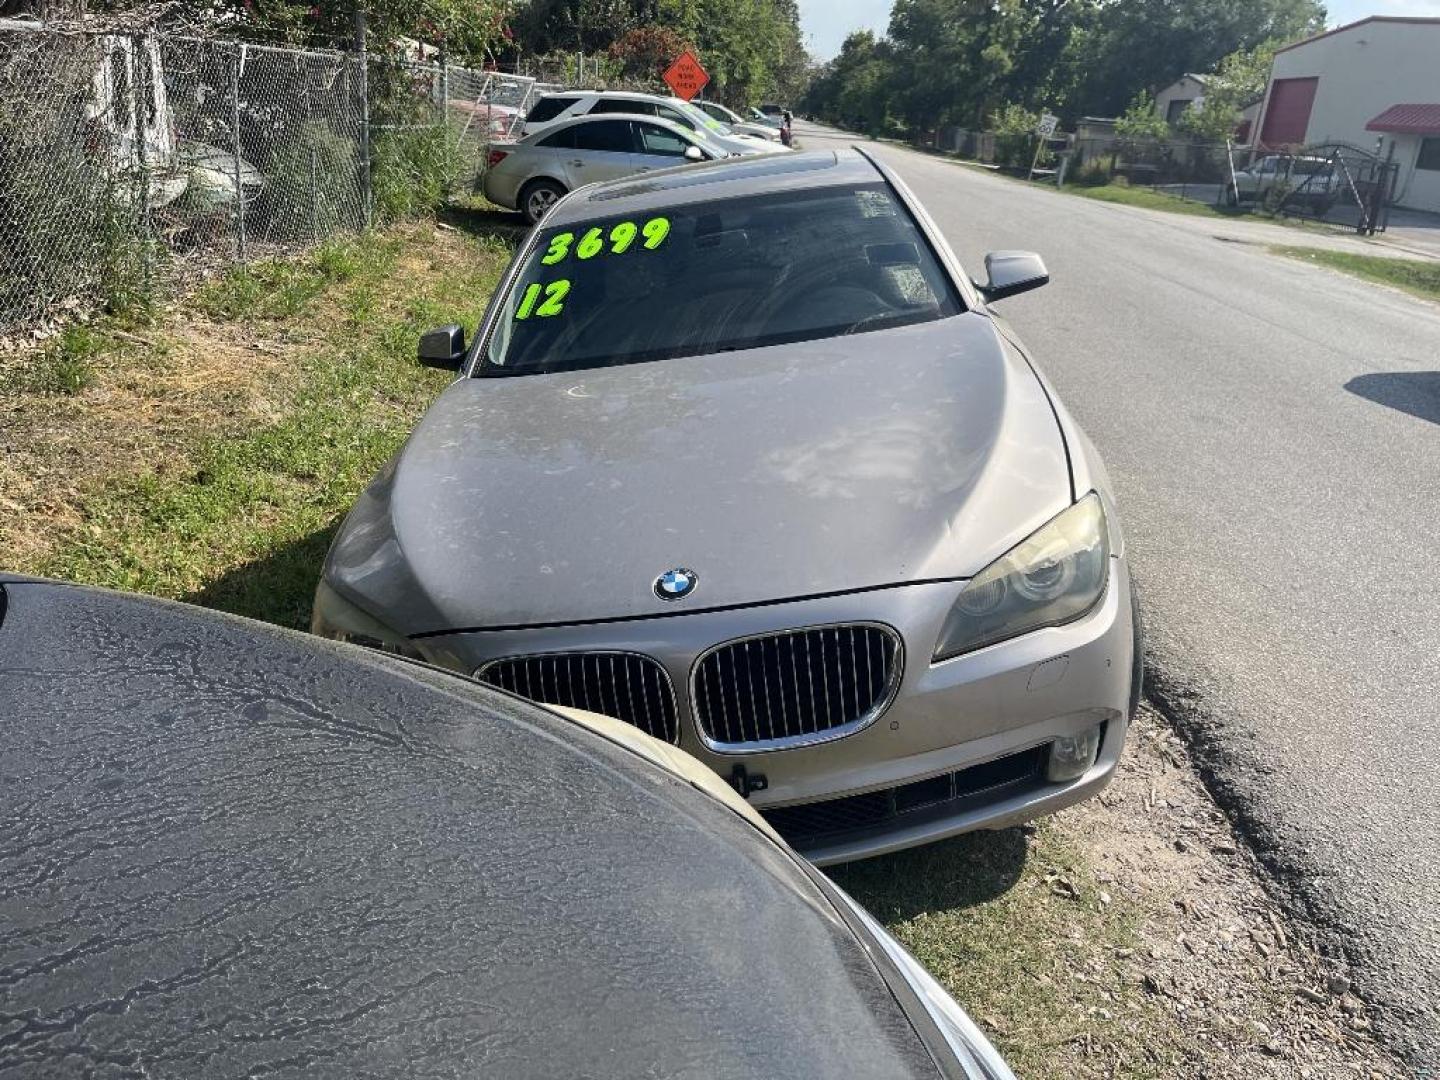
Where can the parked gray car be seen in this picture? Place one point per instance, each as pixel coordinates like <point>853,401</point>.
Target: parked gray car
<point>742,457</point>
<point>533,174</point>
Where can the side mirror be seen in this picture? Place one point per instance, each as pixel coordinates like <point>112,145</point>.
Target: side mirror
<point>443,348</point>
<point>1012,272</point>
<point>694,153</point>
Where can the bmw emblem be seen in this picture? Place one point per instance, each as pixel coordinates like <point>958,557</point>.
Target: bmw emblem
<point>676,584</point>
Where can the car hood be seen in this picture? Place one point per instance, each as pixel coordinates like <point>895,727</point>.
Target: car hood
<point>849,463</point>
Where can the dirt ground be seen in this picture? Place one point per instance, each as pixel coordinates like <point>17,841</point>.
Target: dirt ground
<point>1213,948</point>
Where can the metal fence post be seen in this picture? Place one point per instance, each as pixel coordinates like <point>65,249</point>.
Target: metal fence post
<point>314,197</point>
<point>235,136</point>
<point>140,73</point>
<point>366,194</point>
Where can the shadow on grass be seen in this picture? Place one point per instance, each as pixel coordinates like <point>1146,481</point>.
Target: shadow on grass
<point>957,873</point>
<point>276,588</point>
<point>487,222</point>
<point>1416,393</point>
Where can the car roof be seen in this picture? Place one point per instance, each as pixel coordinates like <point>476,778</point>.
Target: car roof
<point>276,849</point>
<point>545,132</point>
<point>636,95</point>
<point>729,178</point>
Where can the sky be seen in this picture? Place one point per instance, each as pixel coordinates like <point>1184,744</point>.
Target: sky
<point>825,23</point>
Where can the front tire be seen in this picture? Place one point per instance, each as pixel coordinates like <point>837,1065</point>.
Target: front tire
<point>537,197</point>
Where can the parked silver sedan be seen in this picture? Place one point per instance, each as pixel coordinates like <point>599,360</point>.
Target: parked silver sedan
<point>533,174</point>
<point>742,457</point>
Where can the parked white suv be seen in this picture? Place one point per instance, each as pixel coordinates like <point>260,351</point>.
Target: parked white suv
<point>552,108</point>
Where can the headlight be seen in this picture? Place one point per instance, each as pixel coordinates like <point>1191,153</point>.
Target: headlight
<point>336,618</point>
<point>1054,576</point>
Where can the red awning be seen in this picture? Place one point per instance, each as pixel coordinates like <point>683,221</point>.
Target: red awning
<point>1408,120</point>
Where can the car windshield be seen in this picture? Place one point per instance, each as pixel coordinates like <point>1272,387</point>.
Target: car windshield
<point>702,137</point>
<point>702,117</point>
<point>717,277</point>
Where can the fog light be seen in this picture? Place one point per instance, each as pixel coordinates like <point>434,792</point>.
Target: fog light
<point>1072,755</point>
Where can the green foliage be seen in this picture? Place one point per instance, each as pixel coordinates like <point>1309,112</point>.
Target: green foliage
<point>646,51</point>
<point>955,62</point>
<point>1142,121</point>
<point>311,184</point>
<point>468,30</point>
<point>1119,190</point>
<point>240,518</point>
<point>413,169</point>
<point>280,288</point>
<point>853,88</point>
<point>1015,138</point>
<point>1421,277</point>
<point>751,48</point>
<point>67,366</point>
<point>1239,81</point>
<point>1096,172</point>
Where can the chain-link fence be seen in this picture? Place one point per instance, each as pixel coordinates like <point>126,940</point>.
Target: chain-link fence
<point>126,158</point>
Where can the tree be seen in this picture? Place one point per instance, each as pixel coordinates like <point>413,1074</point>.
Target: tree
<point>1141,120</point>
<point>542,27</point>
<point>646,51</point>
<point>1238,82</point>
<point>468,30</point>
<point>1137,45</point>
<point>958,61</point>
<point>851,89</point>
<point>749,47</point>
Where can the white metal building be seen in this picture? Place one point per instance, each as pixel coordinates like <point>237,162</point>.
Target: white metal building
<point>1186,92</point>
<point>1374,84</point>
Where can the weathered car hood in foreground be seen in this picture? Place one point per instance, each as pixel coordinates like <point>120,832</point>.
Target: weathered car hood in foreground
<point>234,850</point>
<point>849,463</point>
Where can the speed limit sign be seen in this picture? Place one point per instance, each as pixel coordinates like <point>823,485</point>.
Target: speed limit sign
<point>1047,125</point>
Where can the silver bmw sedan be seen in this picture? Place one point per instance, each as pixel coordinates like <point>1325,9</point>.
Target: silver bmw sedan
<point>741,456</point>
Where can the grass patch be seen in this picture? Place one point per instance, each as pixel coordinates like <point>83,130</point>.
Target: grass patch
<point>1126,195</point>
<point>1005,920</point>
<point>221,451</point>
<point>1419,277</point>
<point>67,365</point>
<point>280,288</point>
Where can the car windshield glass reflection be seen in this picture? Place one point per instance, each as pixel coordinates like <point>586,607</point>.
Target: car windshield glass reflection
<point>717,277</point>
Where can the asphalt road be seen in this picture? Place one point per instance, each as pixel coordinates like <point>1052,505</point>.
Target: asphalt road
<point>1273,432</point>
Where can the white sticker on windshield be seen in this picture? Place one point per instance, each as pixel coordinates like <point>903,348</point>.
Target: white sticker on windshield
<point>874,204</point>
<point>910,283</point>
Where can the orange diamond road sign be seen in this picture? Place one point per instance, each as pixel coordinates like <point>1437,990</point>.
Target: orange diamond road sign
<point>685,76</point>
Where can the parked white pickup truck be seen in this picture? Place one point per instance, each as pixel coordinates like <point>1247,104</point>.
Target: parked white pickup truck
<point>1310,181</point>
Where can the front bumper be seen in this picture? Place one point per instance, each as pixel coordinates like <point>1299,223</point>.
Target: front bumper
<point>990,706</point>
